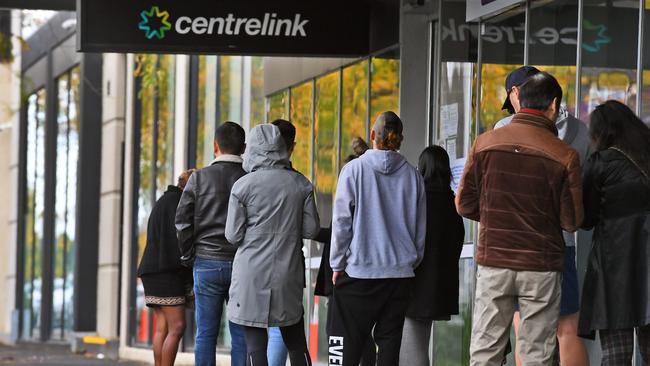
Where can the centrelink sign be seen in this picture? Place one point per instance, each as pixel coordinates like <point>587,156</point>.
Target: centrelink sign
<point>286,27</point>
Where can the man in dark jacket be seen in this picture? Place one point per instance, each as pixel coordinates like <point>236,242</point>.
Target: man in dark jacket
<point>200,224</point>
<point>523,184</point>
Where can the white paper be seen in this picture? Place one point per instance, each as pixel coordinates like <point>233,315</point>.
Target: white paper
<point>457,168</point>
<point>449,119</point>
<point>450,146</point>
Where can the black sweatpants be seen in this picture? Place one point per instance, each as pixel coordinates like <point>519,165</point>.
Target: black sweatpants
<point>358,305</point>
<point>293,337</point>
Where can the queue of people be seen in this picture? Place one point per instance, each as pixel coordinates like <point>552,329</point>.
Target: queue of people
<point>231,234</point>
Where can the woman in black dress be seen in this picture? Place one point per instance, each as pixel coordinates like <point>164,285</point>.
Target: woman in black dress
<point>616,190</point>
<point>165,281</point>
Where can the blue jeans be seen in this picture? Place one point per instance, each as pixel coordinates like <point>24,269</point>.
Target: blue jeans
<point>211,285</point>
<point>276,351</point>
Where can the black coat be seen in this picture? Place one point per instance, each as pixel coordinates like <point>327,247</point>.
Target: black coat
<point>324,286</point>
<point>616,291</point>
<point>161,253</point>
<point>202,211</point>
<point>435,291</point>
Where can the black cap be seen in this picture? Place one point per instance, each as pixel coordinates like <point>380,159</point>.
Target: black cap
<point>516,78</point>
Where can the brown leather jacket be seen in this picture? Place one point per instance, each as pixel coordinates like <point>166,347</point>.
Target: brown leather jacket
<point>523,184</point>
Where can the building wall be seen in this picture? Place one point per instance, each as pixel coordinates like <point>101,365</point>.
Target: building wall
<point>9,143</point>
<point>6,188</point>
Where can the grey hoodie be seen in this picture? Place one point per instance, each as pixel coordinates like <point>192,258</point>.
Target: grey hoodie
<point>379,223</point>
<point>271,210</point>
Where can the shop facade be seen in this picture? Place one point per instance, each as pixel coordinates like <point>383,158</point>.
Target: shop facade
<point>102,135</point>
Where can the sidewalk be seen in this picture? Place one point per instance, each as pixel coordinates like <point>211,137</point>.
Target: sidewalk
<point>52,355</point>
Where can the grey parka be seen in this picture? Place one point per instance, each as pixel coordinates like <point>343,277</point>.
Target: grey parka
<point>271,210</point>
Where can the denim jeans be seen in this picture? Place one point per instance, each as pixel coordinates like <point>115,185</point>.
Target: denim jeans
<point>211,285</point>
<point>276,351</point>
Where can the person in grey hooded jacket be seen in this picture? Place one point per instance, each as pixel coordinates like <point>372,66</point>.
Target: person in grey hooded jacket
<point>378,239</point>
<point>271,210</point>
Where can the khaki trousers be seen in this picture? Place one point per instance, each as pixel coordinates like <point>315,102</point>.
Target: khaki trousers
<point>497,289</point>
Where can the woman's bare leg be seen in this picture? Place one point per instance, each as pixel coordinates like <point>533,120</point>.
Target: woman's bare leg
<point>159,335</point>
<point>175,316</point>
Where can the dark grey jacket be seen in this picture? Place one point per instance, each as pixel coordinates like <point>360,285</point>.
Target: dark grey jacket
<point>271,210</point>
<point>202,211</point>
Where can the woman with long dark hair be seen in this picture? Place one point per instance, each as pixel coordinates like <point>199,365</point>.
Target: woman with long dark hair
<point>434,294</point>
<point>616,294</point>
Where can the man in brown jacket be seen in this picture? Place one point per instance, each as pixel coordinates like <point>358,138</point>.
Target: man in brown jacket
<point>523,184</point>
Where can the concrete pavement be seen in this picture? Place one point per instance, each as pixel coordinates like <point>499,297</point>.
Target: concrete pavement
<point>52,355</point>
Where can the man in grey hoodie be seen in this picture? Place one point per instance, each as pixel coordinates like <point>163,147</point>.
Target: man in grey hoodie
<point>378,234</point>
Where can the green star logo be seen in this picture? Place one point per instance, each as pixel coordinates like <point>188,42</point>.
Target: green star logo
<point>595,36</point>
<point>154,23</point>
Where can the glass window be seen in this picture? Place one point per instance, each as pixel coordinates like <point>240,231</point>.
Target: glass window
<point>207,110</point>
<point>155,161</point>
<point>553,28</point>
<point>384,85</point>
<point>447,334</point>
<point>355,106</point>
<point>609,53</point>
<point>503,52</point>
<point>645,102</point>
<point>257,91</point>
<point>39,213</point>
<point>278,104</point>
<point>326,124</point>
<point>455,123</point>
<point>230,90</point>
<point>301,117</point>
<point>34,211</point>
<point>65,201</point>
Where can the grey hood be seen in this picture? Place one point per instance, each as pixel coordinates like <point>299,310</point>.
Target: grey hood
<point>265,149</point>
<point>383,161</point>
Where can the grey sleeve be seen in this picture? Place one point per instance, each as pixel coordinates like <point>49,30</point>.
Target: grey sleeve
<point>310,219</point>
<point>236,220</point>
<point>344,205</point>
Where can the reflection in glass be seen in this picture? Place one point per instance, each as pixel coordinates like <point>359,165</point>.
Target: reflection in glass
<point>456,112</point>
<point>155,166</point>
<point>230,90</point>
<point>325,138</point>
<point>609,53</point>
<point>67,152</point>
<point>451,338</point>
<point>278,106</point>
<point>301,117</point>
<point>355,106</point>
<point>550,54</point>
<point>257,91</point>
<point>384,94</point>
<point>325,173</point>
<point>207,113</point>
<point>31,239</point>
<point>39,211</point>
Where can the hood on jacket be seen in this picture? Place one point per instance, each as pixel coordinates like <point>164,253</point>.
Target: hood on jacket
<point>265,149</point>
<point>383,161</point>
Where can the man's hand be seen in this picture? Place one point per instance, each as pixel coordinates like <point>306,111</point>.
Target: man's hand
<point>336,275</point>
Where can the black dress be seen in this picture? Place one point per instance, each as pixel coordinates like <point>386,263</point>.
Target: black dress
<point>435,291</point>
<point>617,283</point>
<point>164,280</point>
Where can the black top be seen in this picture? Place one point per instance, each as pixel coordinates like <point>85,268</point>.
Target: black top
<point>435,290</point>
<point>202,212</point>
<point>324,284</point>
<point>617,282</point>
<point>161,253</point>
